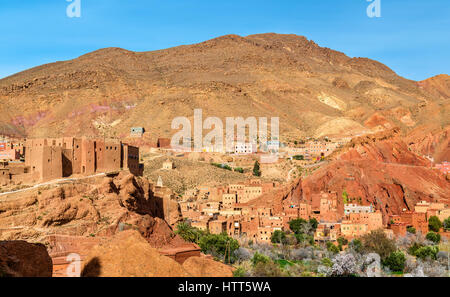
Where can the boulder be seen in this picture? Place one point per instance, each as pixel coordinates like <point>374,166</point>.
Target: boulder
<point>128,254</point>
<point>23,259</point>
<point>204,267</point>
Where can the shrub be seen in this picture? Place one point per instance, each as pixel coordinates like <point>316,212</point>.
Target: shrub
<point>313,223</point>
<point>298,157</point>
<point>427,252</point>
<point>377,242</point>
<point>278,237</point>
<point>433,237</point>
<point>297,225</point>
<point>355,245</point>
<point>447,224</point>
<point>267,269</point>
<point>434,224</point>
<point>342,241</point>
<point>259,258</point>
<point>240,272</point>
<point>411,230</point>
<point>332,248</point>
<point>239,169</point>
<point>327,262</point>
<point>395,261</point>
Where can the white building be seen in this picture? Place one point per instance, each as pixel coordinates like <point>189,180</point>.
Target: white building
<point>241,148</point>
<point>354,208</point>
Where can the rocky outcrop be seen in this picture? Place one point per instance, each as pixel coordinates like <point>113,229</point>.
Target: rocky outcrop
<point>23,259</point>
<point>128,254</point>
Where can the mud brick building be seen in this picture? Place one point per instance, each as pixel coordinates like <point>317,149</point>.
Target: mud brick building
<point>54,158</point>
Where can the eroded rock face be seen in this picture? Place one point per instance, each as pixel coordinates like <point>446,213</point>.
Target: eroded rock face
<point>128,254</point>
<point>383,171</point>
<point>23,259</point>
<point>204,267</point>
<point>97,207</point>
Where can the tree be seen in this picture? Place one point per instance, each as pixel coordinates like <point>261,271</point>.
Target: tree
<point>256,169</point>
<point>314,223</point>
<point>447,224</point>
<point>278,237</point>
<point>377,242</point>
<point>297,225</point>
<point>434,224</point>
<point>188,233</point>
<point>395,261</point>
<point>433,237</point>
<point>219,244</point>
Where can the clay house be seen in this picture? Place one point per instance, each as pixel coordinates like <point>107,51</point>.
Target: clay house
<point>137,132</point>
<point>47,159</point>
<point>354,208</point>
<point>163,143</point>
<point>168,165</point>
<point>218,226</point>
<point>353,230</point>
<point>228,200</point>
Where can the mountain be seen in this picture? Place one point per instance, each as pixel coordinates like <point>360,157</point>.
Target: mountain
<point>315,91</point>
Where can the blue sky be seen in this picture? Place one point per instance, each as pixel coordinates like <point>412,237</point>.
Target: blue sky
<point>412,36</point>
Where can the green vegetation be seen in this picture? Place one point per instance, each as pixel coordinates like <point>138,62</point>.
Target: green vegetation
<point>434,224</point>
<point>377,242</point>
<point>434,237</point>
<point>395,261</point>
<point>345,197</point>
<point>447,224</point>
<point>278,237</point>
<point>332,248</point>
<point>298,157</point>
<point>411,230</point>
<point>239,169</point>
<point>256,169</point>
<point>219,245</point>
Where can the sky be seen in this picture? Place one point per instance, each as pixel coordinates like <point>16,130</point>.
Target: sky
<point>412,37</point>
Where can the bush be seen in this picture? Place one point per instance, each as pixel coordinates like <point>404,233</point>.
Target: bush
<point>240,272</point>
<point>239,169</point>
<point>278,237</point>
<point>332,248</point>
<point>411,230</point>
<point>219,244</point>
<point>447,224</point>
<point>327,262</point>
<point>267,269</point>
<point>433,237</point>
<point>298,157</point>
<point>396,261</point>
<point>434,224</point>
<point>355,245</point>
<point>297,225</point>
<point>427,252</point>
<point>259,258</point>
<point>377,242</point>
<point>342,241</point>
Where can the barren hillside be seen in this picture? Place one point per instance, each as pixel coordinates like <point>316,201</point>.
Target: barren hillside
<point>314,90</point>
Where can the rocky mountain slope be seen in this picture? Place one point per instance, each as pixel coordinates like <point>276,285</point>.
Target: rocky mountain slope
<point>315,91</point>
